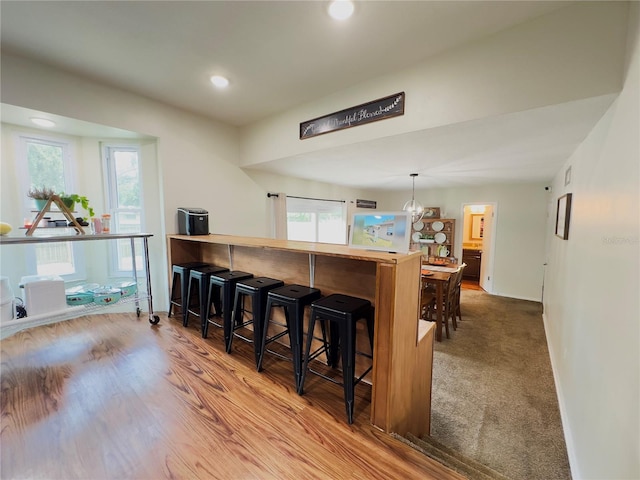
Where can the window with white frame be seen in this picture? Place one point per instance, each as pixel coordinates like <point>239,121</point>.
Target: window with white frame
<point>316,220</point>
<point>123,177</point>
<point>48,162</point>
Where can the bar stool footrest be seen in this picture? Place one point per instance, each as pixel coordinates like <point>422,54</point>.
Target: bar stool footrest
<point>216,324</point>
<point>279,355</point>
<point>275,337</point>
<point>319,351</point>
<point>326,377</point>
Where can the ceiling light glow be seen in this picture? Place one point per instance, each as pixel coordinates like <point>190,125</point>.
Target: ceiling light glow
<point>43,122</point>
<point>341,9</point>
<point>219,81</point>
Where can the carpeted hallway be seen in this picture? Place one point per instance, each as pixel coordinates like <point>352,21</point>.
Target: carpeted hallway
<point>494,397</point>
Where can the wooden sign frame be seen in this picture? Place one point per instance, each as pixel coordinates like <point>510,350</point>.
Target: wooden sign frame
<point>381,109</point>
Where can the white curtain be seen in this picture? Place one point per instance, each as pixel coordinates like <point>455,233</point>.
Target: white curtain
<point>279,215</point>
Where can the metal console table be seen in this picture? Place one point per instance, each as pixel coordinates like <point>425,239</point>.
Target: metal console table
<point>13,326</point>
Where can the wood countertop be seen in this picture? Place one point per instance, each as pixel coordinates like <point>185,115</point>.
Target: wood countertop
<point>326,249</point>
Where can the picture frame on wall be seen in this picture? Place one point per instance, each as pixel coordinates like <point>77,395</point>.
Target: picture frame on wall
<point>431,212</point>
<point>563,216</point>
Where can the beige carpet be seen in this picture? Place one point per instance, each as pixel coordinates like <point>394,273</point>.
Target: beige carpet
<point>494,397</point>
<point>465,466</point>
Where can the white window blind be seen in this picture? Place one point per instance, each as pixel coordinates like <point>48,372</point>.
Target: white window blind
<point>316,220</point>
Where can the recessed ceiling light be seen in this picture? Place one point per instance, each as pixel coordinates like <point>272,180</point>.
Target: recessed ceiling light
<point>43,122</point>
<point>219,81</point>
<point>341,9</point>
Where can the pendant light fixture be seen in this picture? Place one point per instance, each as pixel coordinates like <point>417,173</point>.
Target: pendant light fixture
<point>414,207</point>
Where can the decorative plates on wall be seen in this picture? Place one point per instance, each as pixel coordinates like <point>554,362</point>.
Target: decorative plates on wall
<point>419,225</point>
<point>440,237</point>
<point>415,237</point>
<point>437,226</point>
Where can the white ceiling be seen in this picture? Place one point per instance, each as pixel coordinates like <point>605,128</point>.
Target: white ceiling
<point>278,55</point>
<point>520,147</point>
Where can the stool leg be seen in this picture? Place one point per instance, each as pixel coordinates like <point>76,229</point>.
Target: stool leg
<point>334,344</point>
<point>202,298</point>
<point>239,319</point>
<point>186,303</point>
<point>213,296</point>
<point>204,327</point>
<point>348,347</point>
<point>257,308</point>
<point>184,293</point>
<point>227,311</point>
<point>265,329</point>
<point>233,319</point>
<point>172,297</point>
<point>307,352</point>
<point>296,324</point>
<point>323,328</point>
<point>370,329</point>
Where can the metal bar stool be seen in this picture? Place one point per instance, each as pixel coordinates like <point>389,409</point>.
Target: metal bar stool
<point>180,282</point>
<point>293,299</point>
<point>223,286</point>
<point>200,276</point>
<point>257,289</point>
<point>342,311</point>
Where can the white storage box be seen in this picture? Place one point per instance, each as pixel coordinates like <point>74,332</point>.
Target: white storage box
<point>43,294</point>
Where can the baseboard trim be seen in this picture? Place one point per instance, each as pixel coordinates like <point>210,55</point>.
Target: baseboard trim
<point>566,428</point>
<point>497,294</point>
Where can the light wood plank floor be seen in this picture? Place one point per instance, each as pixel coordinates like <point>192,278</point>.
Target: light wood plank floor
<point>110,396</point>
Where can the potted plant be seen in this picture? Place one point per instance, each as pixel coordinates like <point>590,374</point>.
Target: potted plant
<point>40,195</point>
<point>426,238</point>
<point>70,200</point>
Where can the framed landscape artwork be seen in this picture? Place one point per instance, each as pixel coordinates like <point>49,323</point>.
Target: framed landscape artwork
<point>563,216</point>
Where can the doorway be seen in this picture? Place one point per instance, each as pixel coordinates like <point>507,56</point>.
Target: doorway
<point>478,233</point>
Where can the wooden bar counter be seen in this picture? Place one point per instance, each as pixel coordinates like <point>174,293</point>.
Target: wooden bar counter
<point>403,345</point>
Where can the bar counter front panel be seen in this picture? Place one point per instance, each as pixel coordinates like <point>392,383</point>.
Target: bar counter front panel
<point>403,346</point>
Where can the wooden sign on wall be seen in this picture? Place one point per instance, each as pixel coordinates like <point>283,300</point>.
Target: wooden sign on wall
<point>387,107</point>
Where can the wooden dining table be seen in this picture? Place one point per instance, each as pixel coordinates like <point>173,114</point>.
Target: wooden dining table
<point>439,277</point>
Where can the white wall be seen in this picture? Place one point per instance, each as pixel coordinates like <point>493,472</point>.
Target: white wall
<point>520,216</point>
<point>591,304</point>
<point>572,53</point>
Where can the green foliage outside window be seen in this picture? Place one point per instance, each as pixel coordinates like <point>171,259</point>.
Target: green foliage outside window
<point>298,217</point>
<point>46,167</point>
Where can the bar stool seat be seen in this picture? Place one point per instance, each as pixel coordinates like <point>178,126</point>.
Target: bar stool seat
<point>223,286</point>
<point>200,276</point>
<point>256,289</point>
<point>293,299</point>
<point>180,280</point>
<point>342,312</point>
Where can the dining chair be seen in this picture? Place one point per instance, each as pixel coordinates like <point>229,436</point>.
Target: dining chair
<point>457,311</point>
<point>448,306</point>
<point>427,301</point>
